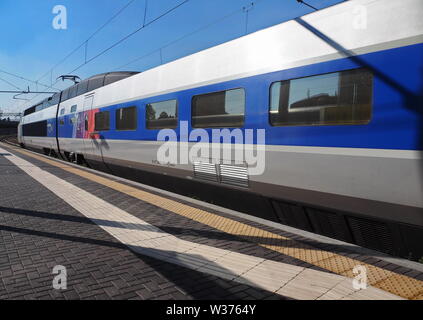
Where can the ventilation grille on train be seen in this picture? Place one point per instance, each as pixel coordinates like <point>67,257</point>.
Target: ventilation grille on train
<point>330,224</point>
<point>371,234</point>
<point>368,233</point>
<point>206,171</point>
<point>236,175</point>
<point>292,215</point>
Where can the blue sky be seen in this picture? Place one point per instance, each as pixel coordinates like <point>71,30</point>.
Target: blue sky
<point>30,45</point>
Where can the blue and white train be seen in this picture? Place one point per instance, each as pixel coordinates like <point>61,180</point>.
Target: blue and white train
<point>338,93</point>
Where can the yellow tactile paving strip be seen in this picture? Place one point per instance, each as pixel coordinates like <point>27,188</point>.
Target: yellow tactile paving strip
<point>400,285</point>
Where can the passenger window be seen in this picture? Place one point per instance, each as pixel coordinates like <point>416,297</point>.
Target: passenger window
<point>161,115</point>
<point>102,121</point>
<point>95,83</point>
<point>219,109</point>
<point>39,107</point>
<point>55,99</point>
<point>46,104</point>
<point>35,129</point>
<point>62,111</point>
<point>29,111</point>
<point>82,88</point>
<point>73,108</point>
<point>73,91</point>
<point>113,77</point>
<point>126,118</point>
<point>330,99</point>
<point>65,95</point>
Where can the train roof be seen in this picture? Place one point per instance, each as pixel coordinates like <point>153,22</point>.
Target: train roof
<point>86,85</point>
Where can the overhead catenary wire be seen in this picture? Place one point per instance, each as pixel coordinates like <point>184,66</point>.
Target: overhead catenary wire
<point>120,40</point>
<point>84,43</point>
<point>227,16</point>
<point>26,92</point>
<point>10,84</point>
<point>139,29</point>
<point>26,79</point>
<point>130,35</point>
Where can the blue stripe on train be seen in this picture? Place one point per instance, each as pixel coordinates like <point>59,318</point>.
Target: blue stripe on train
<point>396,119</point>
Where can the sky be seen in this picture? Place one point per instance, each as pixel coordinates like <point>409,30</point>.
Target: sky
<point>33,49</point>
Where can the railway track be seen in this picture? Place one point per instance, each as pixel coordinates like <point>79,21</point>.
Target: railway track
<point>10,139</point>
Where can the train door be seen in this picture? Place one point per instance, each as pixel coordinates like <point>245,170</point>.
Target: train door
<point>20,135</point>
<point>92,138</point>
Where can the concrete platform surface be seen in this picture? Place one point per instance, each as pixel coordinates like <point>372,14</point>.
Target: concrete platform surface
<point>120,240</point>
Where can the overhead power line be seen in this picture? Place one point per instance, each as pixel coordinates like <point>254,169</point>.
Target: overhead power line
<point>227,16</point>
<point>247,9</point>
<point>84,43</point>
<point>25,92</point>
<point>124,38</point>
<point>26,79</point>
<point>10,84</point>
<point>130,35</point>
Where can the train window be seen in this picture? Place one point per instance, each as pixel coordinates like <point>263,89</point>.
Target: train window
<point>39,107</point>
<point>82,87</point>
<point>160,115</point>
<point>219,109</point>
<point>329,99</point>
<point>65,95</point>
<point>72,91</point>
<point>95,83</point>
<point>73,108</point>
<point>62,111</point>
<point>113,77</point>
<point>35,129</point>
<point>29,111</point>
<point>46,104</point>
<point>55,99</point>
<point>126,118</point>
<point>102,121</point>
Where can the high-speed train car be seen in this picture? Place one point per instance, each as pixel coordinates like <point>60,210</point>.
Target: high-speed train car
<point>317,123</point>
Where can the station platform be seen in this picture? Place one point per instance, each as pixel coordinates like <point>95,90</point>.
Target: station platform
<point>119,239</point>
